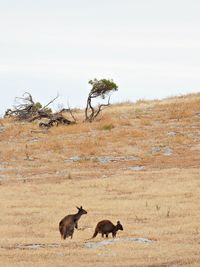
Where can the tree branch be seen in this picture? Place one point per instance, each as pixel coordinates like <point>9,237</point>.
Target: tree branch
<point>50,102</point>
<point>70,111</point>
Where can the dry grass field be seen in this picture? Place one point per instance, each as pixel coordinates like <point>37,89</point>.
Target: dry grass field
<point>139,163</point>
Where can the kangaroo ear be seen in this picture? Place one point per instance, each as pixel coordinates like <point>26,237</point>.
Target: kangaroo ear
<point>77,208</point>
<point>81,207</point>
<point>118,222</point>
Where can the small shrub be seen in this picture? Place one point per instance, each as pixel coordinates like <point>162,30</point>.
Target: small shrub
<point>145,122</point>
<point>138,113</point>
<point>108,126</point>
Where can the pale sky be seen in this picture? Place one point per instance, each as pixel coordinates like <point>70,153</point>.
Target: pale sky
<point>150,48</point>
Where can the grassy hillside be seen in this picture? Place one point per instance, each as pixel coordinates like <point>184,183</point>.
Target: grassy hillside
<point>139,163</point>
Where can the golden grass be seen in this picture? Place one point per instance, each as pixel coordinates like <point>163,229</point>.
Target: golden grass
<point>71,129</point>
<point>159,205</point>
<point>88,146</point>
<point>181,108</point>
<point>39,185</point>
<point>179,139</point>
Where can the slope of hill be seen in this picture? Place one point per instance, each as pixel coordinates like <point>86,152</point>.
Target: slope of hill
<point>139,163</point>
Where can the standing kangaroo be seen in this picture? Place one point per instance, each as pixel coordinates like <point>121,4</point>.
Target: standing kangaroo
<point>67,224</point>
<point>105,227</point>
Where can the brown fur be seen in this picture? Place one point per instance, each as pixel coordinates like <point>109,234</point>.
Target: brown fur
<point>105,227</point>
<point>69,222</point>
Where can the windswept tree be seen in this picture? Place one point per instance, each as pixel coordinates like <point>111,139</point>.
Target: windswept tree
<point>100,89</point>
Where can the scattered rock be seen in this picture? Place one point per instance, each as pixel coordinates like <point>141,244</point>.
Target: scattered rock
<point>2,129</point>
<point>36,246</point>
<point>196,115</point>
<point>29,158</point>
<point>155,149</point>
<point>105,242</point>
<point>136,168</point>
<point>167,151</point>
<point>103,160</point>
<point>34,140</point>
<point>111,159</point>
<point>73,159</point>
<point>171,134</point>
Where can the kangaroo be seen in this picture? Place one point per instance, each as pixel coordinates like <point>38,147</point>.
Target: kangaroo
<point>67,224</point>
<point>105,227</point>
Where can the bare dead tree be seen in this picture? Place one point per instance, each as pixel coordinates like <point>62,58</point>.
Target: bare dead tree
<point>100,88</point>
<point>24,109</point>
<point>29,110</point>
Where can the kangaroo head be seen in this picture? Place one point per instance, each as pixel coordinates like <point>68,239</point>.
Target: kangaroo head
<point>119,226</point>
<point>81,210</point>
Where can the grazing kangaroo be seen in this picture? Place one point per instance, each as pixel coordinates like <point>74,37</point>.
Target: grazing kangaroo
<point>105,227</point>
<point>67,224</point>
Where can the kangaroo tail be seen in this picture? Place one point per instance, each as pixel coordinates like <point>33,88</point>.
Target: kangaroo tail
<point>95,234</point>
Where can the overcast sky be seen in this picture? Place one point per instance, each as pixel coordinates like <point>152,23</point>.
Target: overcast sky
<point>150,48</point>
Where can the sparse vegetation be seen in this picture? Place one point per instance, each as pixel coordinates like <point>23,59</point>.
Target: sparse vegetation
<point>159,202</point>
<point>108,126</point>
